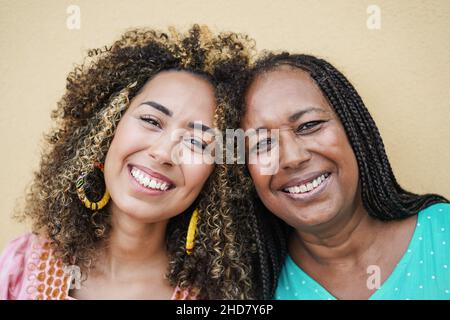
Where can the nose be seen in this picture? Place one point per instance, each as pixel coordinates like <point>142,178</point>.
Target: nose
<point>161,149</point>
<point>293,151</point>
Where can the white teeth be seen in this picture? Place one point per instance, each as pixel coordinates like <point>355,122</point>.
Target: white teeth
<point>148,182</point>
<point>308,186</point>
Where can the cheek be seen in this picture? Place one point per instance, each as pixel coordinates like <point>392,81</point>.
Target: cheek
<point>261,181</point>
<point>331,140</point>
<point>195,176</point>
<point>128,138</point>
<point>336,147</point>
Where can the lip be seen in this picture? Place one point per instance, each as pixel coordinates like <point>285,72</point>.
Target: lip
<point>306,178</point>
<point>307,196</point>
<point>153,174</point>
<point>139,188</point>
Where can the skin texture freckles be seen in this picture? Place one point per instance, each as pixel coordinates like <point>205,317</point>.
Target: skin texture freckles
<point>151,143</point>
<point>86,121</point>
<point>334,238</point>
<point>135,254</point>
<point>275,100</point>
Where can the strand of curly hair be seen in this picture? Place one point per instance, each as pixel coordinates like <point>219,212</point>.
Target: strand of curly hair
<point>97,93</point>
<point>382,196</point>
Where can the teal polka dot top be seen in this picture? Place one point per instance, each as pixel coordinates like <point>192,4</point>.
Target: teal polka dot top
<point>422,273</point>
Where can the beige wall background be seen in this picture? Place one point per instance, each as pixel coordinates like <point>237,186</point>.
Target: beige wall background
<point>401,70</point>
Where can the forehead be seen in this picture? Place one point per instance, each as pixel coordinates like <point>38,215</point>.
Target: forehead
<point>185,94</point>
<point>177,79</point>
<point>279,93</point>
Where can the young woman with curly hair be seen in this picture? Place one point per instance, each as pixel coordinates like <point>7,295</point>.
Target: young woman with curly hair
<point>113,202</point>
<point>335,221</point>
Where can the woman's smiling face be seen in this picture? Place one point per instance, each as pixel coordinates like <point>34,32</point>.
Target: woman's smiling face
<point>317,176</point>
<point>154,168</point>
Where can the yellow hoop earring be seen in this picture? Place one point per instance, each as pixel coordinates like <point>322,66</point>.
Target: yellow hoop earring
<point>191,232</point>
<point>94,206</point>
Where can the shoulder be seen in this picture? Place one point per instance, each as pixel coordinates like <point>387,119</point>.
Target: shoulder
<point>20,243</point>
<point>13,264</point>
<point>434,224</point>
<point>438,212</point>
<point>18,247</point>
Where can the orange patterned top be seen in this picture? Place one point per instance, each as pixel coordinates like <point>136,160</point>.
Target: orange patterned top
<point>29,270</point>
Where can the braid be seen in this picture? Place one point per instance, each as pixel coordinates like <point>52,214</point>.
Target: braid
<point>382,196</point>
<point>270,239</point>
<point>276,245</point>
<point>263,264</point>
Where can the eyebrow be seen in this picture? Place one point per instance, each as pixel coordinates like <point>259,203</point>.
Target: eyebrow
<point>195,125</point>
<point>166,111</point>
<point>294,117</point>
<point>158,107</point>
<point>300,113</point>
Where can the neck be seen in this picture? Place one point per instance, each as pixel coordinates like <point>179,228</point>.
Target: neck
<point>133,245</point>
<point>347,238</point>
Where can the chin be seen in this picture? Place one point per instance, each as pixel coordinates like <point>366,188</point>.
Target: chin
<point>142,212</point>
<point>148,216</point>
<point>313,219</point>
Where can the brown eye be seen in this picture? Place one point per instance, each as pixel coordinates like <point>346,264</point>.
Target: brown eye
<point>264,145</point>
<point>195,144</point>
<point>151,121</point>
<point>309,127</point>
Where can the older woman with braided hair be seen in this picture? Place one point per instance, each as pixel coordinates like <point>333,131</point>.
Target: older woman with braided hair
<point>336,223</point>
<point>115,214</point>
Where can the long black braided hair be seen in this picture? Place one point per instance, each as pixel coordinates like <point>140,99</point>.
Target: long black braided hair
<point>382,196</point>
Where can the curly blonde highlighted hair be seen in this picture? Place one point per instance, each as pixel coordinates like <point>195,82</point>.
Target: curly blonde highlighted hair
<point>98,93</point>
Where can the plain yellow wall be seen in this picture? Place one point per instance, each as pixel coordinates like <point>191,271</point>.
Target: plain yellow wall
<point>402,70</point>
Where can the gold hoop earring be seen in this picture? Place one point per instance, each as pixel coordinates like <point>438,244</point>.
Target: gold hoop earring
<point>190,237</point>
<point>94,206</point>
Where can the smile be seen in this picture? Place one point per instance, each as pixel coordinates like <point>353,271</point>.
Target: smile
<point>308,187</point>
<point>149,182</point>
